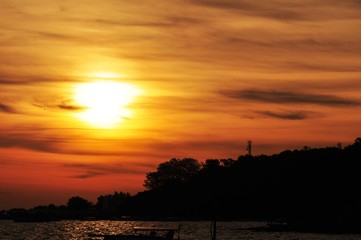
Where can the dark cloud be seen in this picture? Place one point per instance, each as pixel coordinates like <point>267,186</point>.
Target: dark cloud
<point>5,81</point>
<point>7,109</point>
<point>252,8</point>
<point>63,105</point>
<point>8,141</point>
<point>88,174</point>
<point>34,80</point>
<point>297,44</point>
<point>318,67</point>
<point>94,170</point>
<point>231,4</point>
<point>284,115</point>
<point>53,145</point>
<point>284,10</point>
<point>70,107</point>
<point>284,97</point>
<point>101,152</point>
<point>317,85</point>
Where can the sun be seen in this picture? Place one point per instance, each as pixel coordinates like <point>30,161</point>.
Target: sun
<point>105,102</point>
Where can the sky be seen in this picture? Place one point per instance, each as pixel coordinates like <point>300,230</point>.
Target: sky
<point>196,78</point>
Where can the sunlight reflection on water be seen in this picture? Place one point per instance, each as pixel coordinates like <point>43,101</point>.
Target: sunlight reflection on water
<point>74,230</point>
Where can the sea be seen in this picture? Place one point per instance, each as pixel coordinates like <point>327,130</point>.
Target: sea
<point>71,230</point>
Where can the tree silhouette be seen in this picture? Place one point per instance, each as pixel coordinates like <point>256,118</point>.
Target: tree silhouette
<point>173,171</point>
<point>114,204</point>
<point>311,188</point>
<point>78,203</point>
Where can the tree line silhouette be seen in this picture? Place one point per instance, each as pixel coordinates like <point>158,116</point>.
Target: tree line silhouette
<point>310,188</point>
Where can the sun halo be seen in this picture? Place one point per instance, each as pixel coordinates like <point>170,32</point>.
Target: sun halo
<point>105,102</point>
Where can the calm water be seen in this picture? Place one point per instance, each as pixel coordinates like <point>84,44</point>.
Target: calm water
<point>189,230</point>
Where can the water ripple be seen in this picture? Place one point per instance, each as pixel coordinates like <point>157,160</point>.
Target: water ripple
<point>79,230</point>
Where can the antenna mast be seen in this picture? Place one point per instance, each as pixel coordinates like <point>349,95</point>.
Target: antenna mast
<point>249,148</point>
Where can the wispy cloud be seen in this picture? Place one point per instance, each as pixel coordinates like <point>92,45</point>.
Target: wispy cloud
<point>283,10</point>
<point>253,8</point>
<point>283,97</point>
<point>8,141</point>
<point>329,67</point>
<point>63,105</point>
<point>34,80</point>
<point>163,22</point>
<point>94,170</point>
<point>70,107</point>
<point>162,149</point>
<point>65,145</point>
<point>7,109</point>
<point>285,115</point>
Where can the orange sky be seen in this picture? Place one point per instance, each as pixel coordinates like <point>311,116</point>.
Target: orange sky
<point>211,75</point>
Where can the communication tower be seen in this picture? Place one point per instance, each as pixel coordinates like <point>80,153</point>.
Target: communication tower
<point>249,148</point>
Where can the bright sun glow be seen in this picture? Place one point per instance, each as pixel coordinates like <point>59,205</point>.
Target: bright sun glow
<point>105,102</point>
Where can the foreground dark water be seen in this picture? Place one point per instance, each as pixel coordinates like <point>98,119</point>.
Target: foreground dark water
<point>189,230</point>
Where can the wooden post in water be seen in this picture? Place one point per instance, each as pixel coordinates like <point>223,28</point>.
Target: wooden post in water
<point>214,230</point>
